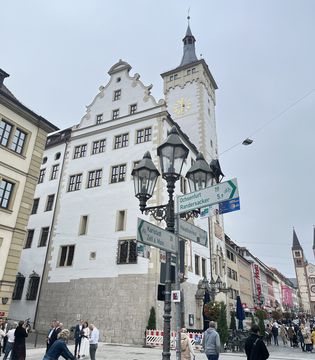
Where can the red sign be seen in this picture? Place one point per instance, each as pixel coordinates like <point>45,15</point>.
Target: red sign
<point>2,313</point>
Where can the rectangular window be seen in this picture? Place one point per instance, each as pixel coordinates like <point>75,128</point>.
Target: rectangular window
<point>193,70</point>
<point>18,287</point>
<point>50,202</point>
<point>6,191</point>
<point>117,95</point>
<point>197,266</point>
<point>171,78</point>
<point>118,173</point>
<point>5,131</point>
<point>297,253</point>
<point>144,135</point>
<point>99,118</point>
<point>79,151</point>
<point>83,225</point>
<point>94,178</point>
<point>41,176</point>
<point>98,146</point>
<point>66,255</point>
<point>127,252</point>
<point>121,141</point>
<point>32,287</point>
<point>232,274</point>
<point>115,114</point>
<point>75,182</point>
<point>29,239</point>
<point>54,172</point>
<point>203,267</point>
<point>133,109</point>
<point>43,236</point>
<point>35,206</point>
<point>188,72</point>
<point>120,220</point>
<point>18,141</point>
<point>175,76</point>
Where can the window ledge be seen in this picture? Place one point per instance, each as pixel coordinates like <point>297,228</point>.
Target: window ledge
<point>12,152</point>
<point>8,211</point>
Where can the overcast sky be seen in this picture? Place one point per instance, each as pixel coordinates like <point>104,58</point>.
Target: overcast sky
<point>261,54</point>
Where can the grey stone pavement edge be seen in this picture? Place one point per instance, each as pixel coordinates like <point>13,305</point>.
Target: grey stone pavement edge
<point>127,352</point>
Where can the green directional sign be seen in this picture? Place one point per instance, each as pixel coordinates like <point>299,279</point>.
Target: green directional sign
<point>209,196</point>
<point>155,236</point>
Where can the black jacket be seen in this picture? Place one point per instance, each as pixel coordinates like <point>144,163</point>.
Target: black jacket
<point>258,351</point>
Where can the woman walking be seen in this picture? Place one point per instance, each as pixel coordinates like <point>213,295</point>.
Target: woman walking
<point>186,347</point>
<point>283,334</point>
<point>18,350</point>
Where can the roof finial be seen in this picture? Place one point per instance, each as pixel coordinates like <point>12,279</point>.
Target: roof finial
<point>188,16</point>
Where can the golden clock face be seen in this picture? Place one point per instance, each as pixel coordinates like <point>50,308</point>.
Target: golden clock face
<point>181,106</point>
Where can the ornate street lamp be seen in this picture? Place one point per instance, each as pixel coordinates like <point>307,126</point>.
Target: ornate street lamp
<point>172,154</point>
<point>145,175</point>
<point>200,174</point>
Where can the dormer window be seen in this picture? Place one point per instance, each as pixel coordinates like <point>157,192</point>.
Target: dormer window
<point>171,78</point>
<point>193,70</point>
<point>188,72</point>
<point>175,76</point>
<point>117,95</point>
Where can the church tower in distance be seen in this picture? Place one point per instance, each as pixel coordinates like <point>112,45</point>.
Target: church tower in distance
<point>189,91</point>
<point>300,264</point>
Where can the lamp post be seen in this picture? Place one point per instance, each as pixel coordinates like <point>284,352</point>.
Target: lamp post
<point>215,287</point>
<point>172,154</point>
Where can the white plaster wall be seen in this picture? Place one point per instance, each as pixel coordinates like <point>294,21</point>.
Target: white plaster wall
<point>33,258</point>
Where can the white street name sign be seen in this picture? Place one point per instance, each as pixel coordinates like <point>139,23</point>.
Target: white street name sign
<point>155,236</point>
<point>193,233</point>
<point>209,196</point>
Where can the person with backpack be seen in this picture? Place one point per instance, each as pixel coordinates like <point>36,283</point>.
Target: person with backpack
<point>255,348</point>
<point>187,350</point>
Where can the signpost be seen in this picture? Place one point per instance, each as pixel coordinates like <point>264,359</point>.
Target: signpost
<point>209,196</point>
<point>155,236</point>
<point>193,233</point>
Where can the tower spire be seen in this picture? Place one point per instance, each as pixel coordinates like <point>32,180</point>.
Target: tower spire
<point>189,53</point>
<point>296,244</point>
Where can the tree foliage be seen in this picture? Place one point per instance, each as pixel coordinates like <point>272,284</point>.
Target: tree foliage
<point>261,314</point>
<point>152,319</point>
<point>212,310</point>
<point>277,315</point>
<point>222,323</point>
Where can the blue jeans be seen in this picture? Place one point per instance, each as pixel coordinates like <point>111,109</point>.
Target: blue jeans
<point>7,349</point>
<point>213,357</point>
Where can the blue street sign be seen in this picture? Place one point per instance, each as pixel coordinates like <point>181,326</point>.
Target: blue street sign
<point>229,206</point>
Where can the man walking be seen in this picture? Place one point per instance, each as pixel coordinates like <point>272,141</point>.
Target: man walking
<point>10,342</point>
<point>94,337</point>
<point>211,342</point>
<point>255,348</point>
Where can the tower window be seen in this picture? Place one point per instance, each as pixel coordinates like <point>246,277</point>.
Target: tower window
<point>193,70</point>
<point>175,76</point>
<point>171,78</point>
<point>297,253</point>
<point>188,72</point>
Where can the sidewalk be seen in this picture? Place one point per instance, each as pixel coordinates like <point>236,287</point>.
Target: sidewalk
<point>129,352</point>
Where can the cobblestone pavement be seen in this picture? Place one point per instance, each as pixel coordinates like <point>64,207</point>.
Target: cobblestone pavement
<point>126,352</point>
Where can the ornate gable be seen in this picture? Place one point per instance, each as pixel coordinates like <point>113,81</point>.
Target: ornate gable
<point>124,95</point>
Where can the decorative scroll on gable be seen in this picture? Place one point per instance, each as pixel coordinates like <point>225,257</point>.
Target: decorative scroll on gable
<point>124,95</point>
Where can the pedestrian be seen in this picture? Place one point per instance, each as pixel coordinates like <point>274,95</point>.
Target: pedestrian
<point>308,340</point>
<point>313,336</point>
<point>283,334</point>
<point>275,333</point>
<point>255,348</point>
<point>300,335</point>
<point>59,347</point>
<point>49,333</point>
<point>94,338</point>
<point>4,327</point>
<point>84,343</point>
<point>268,334</point>
<point>18,349</point>
<point>185,344</point>
<point>211,342</point>
<point>2,335</point>
<point>291,334</point>
<point>10,341</point>
<point>77,337</point>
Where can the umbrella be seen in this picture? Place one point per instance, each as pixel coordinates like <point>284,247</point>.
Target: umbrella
<point>206,320</point>
<point>239,312</point>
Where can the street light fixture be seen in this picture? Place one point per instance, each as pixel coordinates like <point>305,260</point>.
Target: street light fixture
<point>215,287</point>
<point>200,174</point>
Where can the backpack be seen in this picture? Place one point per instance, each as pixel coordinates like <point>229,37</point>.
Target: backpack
<point>183,344</point>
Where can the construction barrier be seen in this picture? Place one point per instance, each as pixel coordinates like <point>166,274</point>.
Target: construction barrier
<point>154,338</point>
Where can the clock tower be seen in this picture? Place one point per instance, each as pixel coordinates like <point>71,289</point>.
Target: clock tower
<point>189,91</point>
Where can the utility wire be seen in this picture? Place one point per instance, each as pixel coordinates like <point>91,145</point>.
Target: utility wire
<point>271,120</point>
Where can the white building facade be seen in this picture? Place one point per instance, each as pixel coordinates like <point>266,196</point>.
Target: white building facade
<point>94,268</point>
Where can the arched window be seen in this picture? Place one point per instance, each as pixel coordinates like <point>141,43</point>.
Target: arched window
<point>18,288</point>
<point>33,285</point>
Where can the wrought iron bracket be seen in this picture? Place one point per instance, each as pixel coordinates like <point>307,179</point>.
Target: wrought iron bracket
<point>158,212</point>
<point>192,214</point>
